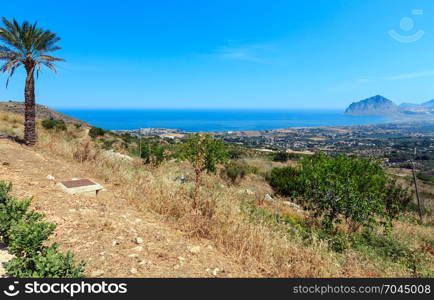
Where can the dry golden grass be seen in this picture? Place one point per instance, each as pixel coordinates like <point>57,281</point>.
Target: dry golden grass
<point>219,219</point>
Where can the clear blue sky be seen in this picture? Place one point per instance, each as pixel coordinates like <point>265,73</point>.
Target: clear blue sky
<point>231,53</point>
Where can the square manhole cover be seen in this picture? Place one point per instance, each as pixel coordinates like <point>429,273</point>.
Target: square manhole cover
<point>80,186</point>
<point>77,183</point>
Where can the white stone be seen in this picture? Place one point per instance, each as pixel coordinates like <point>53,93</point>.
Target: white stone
<point>194,249</point>
<point>97,273</point>
<point>139,240</point>
<point>268,197</point>
<point>293,205</point>
<point>50,177</point>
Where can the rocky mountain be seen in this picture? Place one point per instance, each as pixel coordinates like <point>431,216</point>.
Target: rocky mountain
<point>407,105</point>
<point>413,105</point>
<point>377,105</point>
<point>42,112</point>
<point>428,104</point>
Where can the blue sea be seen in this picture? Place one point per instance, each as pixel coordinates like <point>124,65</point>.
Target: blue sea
<point>192,120</point>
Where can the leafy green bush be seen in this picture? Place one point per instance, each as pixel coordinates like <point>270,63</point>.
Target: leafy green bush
<point>152,152</point>
<point>107,144</point>
<point>11,212</point>
<point>204,152</point>
<point>50,263</point>
<point>54,124</point>
<point>5,188</point>
<point>235,154</point>
<point>27,236</point>
<point>286,181</point>
<point>234,171</point>
<point>342,188</point>
<point>95,132</point>
<point>25,232</point>
<point>237,170</point>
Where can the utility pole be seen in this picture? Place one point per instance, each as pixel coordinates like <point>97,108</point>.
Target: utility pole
<point>416,187</point>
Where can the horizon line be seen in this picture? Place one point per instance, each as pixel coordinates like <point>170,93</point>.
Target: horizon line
<point>193,108</point>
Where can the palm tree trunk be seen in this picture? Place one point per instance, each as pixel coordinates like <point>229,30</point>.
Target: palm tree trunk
<point>29,112</point>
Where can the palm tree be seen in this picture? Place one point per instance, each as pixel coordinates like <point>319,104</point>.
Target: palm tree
<point>27,45</point>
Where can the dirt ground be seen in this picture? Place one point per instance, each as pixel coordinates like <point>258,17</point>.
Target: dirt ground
<point>107,231</point>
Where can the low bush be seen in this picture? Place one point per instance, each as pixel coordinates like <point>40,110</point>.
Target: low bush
<point>11,212</point>
<point>5,188</point>
<point>54,124</point>
<point>338,188</point>
<point>95,132</point>
<point>283,156</point>
<point>49,263</point>
<point>286,181</point>
<point>152,152</point>
<point>26,234</point>
<point>236,170</point>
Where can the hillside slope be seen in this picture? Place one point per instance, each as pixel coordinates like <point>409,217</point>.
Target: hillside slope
<point>103,230</point>
<point>42,112</point>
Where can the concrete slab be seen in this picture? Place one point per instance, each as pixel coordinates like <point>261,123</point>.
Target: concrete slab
<point>78,186</point>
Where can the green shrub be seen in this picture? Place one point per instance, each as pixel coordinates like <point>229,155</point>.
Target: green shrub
<point>204,152</point>
<point>27,236</point>
<point>11,212</point>
<point>342,188</point>
<point>107,145</point>
<point>25,232</point>
<point>95,132</point>
<point>152,152</point>
<point>50,263</point>
<point>128,138</point>
<point>286,181</point>
<point>234,171</point>
<point>235,154</point>
<point>5,189</point>
<point>54,124</point>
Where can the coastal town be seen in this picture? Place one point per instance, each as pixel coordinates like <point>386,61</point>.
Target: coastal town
<point>394,142</point>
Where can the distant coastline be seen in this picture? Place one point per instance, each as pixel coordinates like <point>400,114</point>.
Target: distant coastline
<point>218,120</point>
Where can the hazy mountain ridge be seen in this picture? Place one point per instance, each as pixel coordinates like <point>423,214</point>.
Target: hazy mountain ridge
<point>379,105</point>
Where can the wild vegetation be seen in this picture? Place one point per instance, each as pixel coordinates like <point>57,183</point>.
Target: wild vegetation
<point>26,234</point>
<point>278,237</point>
<point>342,189</point>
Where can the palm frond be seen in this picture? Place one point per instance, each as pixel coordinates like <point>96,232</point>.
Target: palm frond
<point>50,58</point>
<point>27,44</point>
